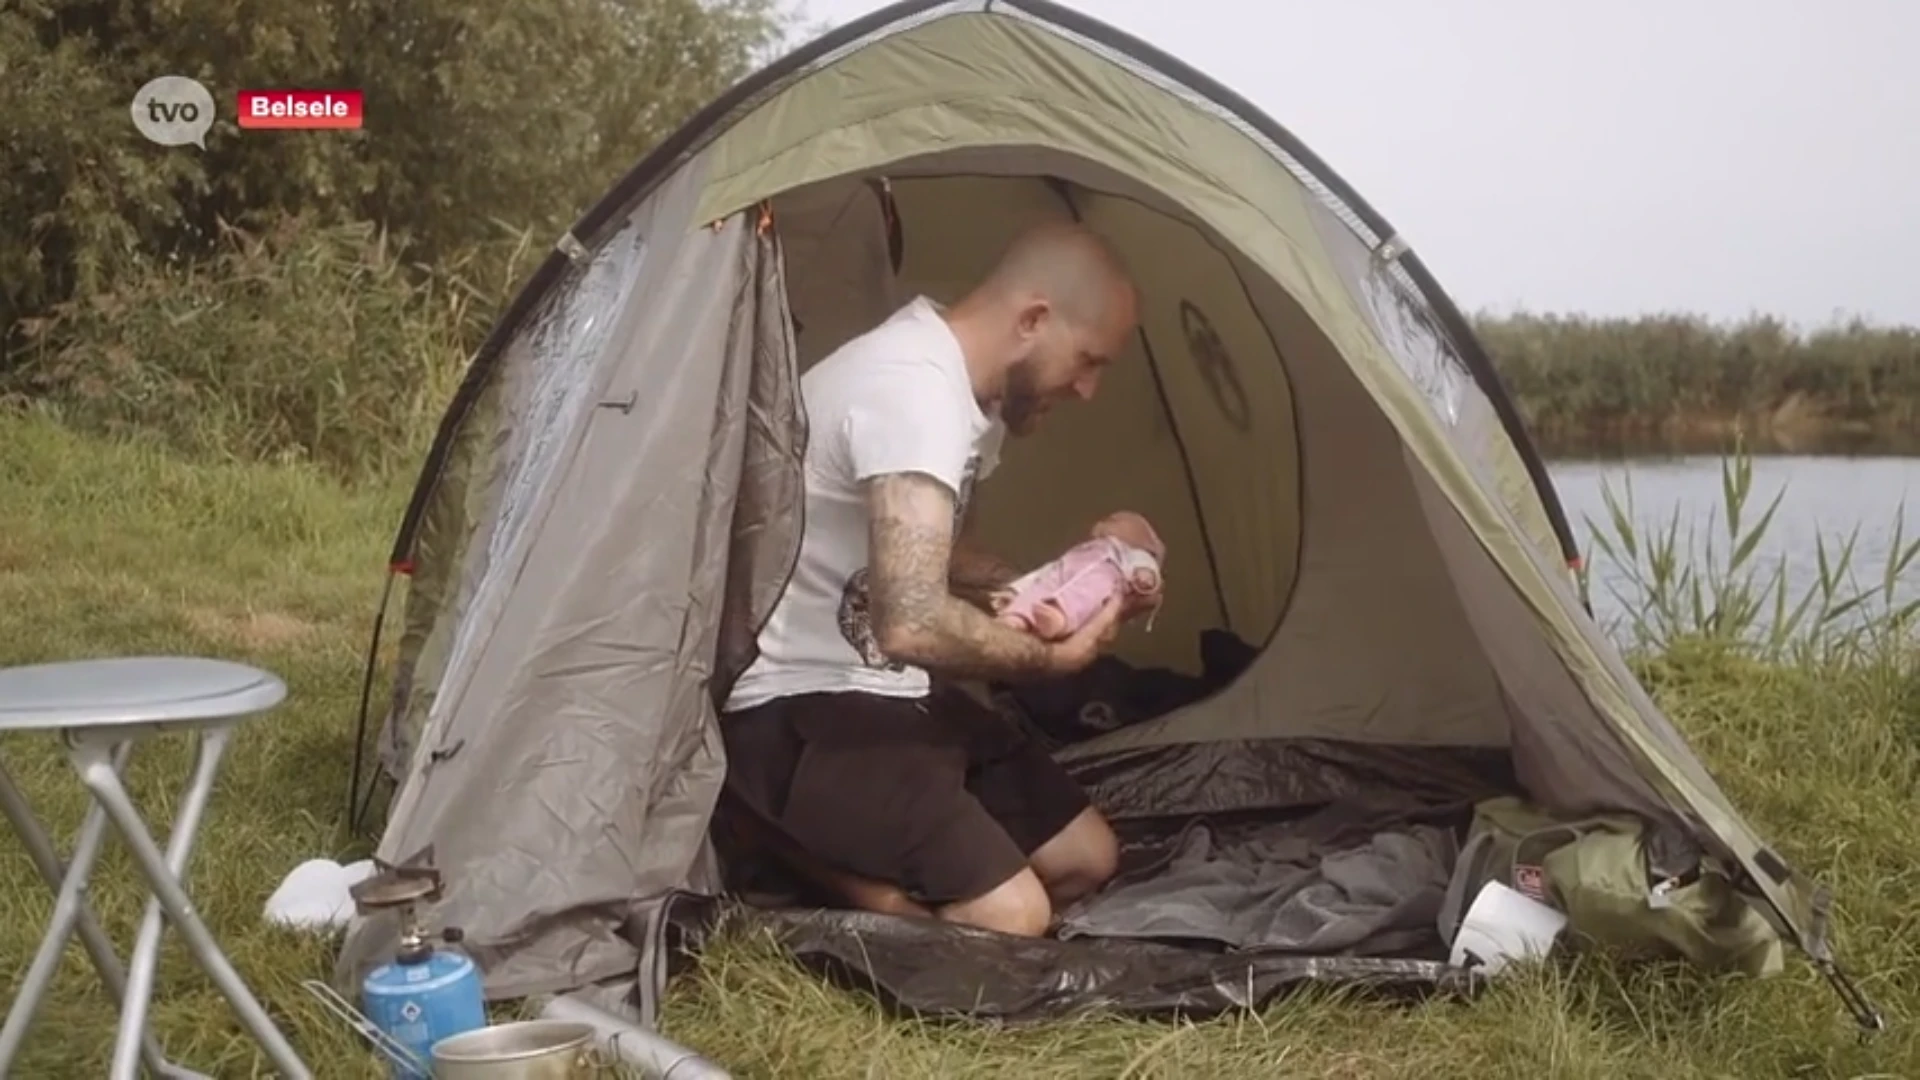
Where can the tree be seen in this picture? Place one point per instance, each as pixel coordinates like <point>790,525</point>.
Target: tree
<point>478,115</point>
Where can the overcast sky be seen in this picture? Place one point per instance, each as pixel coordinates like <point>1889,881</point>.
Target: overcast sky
<point>1714,156</point>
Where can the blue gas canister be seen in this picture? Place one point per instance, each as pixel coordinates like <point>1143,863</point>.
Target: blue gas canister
<point>424,994</point>
<point>423,1001</point>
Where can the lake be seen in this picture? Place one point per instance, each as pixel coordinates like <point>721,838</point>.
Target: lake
<point>1821,497</point>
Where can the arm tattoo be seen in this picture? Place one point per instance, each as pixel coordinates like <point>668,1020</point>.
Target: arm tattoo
<point>915,614</point>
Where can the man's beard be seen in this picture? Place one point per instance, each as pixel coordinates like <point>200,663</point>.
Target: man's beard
<point>1022,404</point>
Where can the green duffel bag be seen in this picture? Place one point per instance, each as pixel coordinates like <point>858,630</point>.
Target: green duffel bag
<point>1620,889</point>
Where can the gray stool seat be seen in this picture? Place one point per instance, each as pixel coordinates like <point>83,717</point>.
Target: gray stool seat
<point>160,690</point>
<point>100,709</point>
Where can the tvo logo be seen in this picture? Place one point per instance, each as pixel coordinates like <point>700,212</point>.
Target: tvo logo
<point>174,110</point>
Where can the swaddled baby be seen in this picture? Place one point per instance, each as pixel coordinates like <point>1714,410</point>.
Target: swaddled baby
<point>1124,554</point>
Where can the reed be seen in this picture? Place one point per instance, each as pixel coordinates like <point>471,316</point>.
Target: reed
<point>1677,377</point>
<point>1702,583</point>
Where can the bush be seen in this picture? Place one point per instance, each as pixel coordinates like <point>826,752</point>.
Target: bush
<point>251,300</point>
<point>309,342</point>
<point>476,114</point>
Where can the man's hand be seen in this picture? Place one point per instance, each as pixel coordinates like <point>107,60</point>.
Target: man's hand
<point>1074,652</point>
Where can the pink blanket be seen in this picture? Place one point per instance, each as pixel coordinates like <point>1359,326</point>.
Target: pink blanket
<point>1059,597</point>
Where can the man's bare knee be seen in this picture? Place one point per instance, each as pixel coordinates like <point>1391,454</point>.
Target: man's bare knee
<point>1079,859</point>
<point>1018,905</point>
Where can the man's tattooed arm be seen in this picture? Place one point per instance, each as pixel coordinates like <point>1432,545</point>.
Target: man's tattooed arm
<point>916,617</point>
<point>975,574</point>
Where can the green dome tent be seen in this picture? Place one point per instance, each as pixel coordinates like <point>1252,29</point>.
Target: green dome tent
<point>611,508</point>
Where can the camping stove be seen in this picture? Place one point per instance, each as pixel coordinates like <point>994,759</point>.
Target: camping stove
<point>427,993</point>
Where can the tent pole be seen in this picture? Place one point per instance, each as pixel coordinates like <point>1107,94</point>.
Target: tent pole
<point>356,809</point>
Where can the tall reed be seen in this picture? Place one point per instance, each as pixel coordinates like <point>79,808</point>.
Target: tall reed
<point>1686,587</point>
<point>307,341</point>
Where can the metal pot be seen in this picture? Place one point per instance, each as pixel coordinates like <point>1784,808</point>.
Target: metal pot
<point>522,1050</point>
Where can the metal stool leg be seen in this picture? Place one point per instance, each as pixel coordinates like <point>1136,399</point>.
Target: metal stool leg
<point>138,994</point>
<point>91,761</point>
<point>99,947</point>
<point>70,908</point>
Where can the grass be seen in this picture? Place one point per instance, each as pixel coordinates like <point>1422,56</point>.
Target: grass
<point>112,548</point>
<point>115,549</point>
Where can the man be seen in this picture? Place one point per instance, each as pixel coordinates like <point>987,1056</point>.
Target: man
<point>897,799</point>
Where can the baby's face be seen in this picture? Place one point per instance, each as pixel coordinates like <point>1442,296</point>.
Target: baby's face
<point>1133,530</point>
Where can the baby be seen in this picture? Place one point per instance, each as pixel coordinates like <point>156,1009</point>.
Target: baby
<point>1059,597</point>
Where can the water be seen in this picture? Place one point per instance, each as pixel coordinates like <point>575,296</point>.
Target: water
<point>1821,498</point>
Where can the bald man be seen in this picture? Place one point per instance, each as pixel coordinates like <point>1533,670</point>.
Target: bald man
<point>840,757</point>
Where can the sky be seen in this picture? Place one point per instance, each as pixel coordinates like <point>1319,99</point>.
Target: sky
<point>1718,157</point>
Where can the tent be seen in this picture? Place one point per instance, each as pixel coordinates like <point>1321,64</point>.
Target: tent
<point>1372,595</point>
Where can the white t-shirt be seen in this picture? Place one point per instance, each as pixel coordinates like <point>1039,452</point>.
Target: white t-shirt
<point>895,399</point>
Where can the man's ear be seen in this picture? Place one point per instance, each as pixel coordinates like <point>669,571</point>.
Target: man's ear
<point>1033,315</point>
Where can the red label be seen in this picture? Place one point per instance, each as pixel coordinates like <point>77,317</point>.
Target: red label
<point>300,108</point>
<point>1531,880</point>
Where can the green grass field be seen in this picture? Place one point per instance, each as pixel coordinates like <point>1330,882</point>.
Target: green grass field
<point>110,549</point>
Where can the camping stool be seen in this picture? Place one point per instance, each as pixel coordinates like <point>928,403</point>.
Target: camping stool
<point>100,708</point>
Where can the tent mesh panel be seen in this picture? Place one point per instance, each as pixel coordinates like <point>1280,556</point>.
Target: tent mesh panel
<point>566,336</point>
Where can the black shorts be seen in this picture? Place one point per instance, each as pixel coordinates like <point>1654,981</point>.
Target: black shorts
<point>940,796</point>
